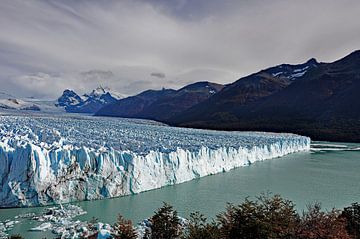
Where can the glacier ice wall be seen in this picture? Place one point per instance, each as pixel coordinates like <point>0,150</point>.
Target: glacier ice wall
<point>46,160</point>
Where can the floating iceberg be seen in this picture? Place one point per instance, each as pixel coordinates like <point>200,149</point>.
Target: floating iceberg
<point>43,227</point>
<point>45,160</point>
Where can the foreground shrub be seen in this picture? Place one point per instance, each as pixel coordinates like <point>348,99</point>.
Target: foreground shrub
<point>352,217</point>
<point>124,229</point>
<point>280,218</point>
<point>198,228</point>
<point>267,217</point>
<point>316,224</point>
<point>165,224</point>
<point>16,237</point>
<point>242,221</point>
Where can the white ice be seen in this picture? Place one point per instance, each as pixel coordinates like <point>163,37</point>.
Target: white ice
<point>46,160</point>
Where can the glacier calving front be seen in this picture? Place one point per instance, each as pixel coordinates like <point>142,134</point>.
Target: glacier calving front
<point>46,160</point>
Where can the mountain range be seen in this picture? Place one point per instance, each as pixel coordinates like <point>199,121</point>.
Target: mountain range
<point>69,102</point>
<point>161,104</point>
<point>87,103</point>
<point>323,102</point>
<point>320,100</point>
<point>244,91</point>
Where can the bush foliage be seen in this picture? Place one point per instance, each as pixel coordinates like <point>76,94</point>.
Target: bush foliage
<point>124,229</point>
<point>165,224</point>
<point>267,217</point>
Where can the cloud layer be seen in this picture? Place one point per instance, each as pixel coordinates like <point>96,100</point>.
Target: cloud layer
<point>47,46</point>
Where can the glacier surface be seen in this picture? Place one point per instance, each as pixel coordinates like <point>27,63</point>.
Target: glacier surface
<point>46,160</point>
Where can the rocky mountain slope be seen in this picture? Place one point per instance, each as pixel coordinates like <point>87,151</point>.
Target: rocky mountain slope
<point>323,103</point>
<point>243,91</point>
<point>162,104</point>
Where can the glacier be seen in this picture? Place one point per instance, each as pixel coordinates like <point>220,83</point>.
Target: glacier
<point>49,160</point>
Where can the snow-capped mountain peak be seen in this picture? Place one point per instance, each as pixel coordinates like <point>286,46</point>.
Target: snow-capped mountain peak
<point>69,98</point>
<point>100,91</point>
<point>88,103</point>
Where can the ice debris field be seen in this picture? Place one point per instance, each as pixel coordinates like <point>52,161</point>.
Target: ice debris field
<point>46,160</point>
<point>62,223</point>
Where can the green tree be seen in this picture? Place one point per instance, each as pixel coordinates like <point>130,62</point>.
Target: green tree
<point>352,218</point>
<point>316,224</point>
<point>165,224</point>
<point>124,229</point>
<point>279,217</point>
<point>243,221</point>
<point>17,236</point>
<point>266,217</point>
<point>198,228</point>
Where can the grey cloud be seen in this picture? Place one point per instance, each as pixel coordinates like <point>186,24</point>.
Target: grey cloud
<point>140,85</point>
<point>97,75</point>
<point>46,46</point>
<point>42,85</point>
<point>158,74</point>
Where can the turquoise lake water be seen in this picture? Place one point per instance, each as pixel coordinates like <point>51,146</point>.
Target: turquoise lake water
<point>328,174</point>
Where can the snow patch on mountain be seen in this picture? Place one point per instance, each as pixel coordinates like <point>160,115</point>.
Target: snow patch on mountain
<point>98,92</point>
<point>297,75</point>
<point>292,72</point>
<point>301,70</point>
<point>277,74</point>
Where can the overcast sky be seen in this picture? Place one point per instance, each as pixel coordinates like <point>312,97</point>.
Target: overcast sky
<point>130,46</point>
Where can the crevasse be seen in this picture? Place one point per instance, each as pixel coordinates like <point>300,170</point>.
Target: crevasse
<point>38,168</point>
